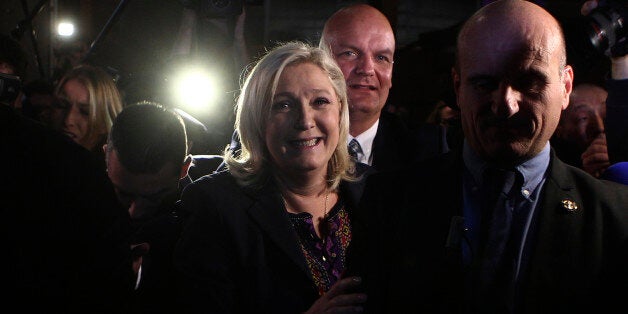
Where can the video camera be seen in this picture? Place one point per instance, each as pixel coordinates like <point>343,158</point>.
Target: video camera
<point>10,86</point>
<point>607,27</point>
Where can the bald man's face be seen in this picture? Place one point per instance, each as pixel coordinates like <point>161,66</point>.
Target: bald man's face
<point>511,87</point>
<point>363,48</point>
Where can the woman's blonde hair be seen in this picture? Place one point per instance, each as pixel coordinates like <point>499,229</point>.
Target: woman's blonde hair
<point>105,101</point>
<point>251,165</point>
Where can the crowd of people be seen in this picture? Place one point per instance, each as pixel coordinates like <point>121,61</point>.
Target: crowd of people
<point>324,202</point>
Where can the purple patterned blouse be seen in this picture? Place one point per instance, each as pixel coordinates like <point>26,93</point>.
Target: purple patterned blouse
<point>325,257</point>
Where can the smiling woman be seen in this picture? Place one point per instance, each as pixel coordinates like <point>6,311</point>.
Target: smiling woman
<point>271,234</point>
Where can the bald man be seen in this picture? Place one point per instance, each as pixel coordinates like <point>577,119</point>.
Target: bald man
<point>549,238</point>
<point>361,40</point>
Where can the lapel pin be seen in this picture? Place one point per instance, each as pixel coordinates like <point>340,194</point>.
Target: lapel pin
<point>569,205</point>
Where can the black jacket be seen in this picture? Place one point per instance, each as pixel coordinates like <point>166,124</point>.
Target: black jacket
<point>239,252</point>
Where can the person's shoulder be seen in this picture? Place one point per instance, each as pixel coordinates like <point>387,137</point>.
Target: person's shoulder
<point>203,165</point>
<point>391,121</point>
<point>600,190</point>
<point>219,180</point>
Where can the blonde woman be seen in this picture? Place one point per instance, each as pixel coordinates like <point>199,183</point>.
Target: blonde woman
<point>90,101</point>
<point>270,234</point>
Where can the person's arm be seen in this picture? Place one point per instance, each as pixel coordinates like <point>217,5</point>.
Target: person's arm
<point>616,124</point>
<point>617,111</point>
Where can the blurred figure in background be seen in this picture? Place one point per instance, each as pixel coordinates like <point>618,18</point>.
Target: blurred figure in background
<point>579,139</point>
<point>13,64</point>
<point>90,102</point>
<point>442,114</point>
<point>40,104</point>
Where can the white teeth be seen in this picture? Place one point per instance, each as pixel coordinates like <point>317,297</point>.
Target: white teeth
<point>311,142</point>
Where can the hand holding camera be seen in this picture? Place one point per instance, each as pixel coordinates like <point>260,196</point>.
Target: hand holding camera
<point>607,32</point>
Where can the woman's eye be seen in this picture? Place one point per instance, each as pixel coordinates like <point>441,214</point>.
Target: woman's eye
<point>281,106</point>
<point>321,101</point>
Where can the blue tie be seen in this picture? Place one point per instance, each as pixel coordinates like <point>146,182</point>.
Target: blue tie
<point>495,281</point>
<point>354,149</point>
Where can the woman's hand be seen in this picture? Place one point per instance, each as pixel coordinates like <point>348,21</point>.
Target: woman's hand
<point>340,298</point>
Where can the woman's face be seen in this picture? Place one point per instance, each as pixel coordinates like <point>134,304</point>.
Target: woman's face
<point>304,125</point>
<point>76,122</point>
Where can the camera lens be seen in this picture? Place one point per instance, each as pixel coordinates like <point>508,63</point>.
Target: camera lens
<point>601,30</point>
<point>605,27</point>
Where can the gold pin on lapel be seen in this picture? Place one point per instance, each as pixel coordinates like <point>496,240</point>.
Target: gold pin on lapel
<point>569,205</point>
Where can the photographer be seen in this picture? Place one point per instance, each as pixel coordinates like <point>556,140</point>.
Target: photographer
<point>13,64</point>
<point>617,85</point>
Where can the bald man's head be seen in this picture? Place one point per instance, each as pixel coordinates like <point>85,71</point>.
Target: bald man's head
<point>358,15</point>
<point>505,18</point>
<point>511,80</point>
<point>361,40</point>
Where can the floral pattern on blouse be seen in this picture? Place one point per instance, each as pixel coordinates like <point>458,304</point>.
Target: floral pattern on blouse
<point>326,257</point>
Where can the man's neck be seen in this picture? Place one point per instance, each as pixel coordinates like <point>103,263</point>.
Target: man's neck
<point>358,125</point>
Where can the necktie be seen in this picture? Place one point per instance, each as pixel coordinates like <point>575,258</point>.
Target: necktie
<point>354,149</point>
<point>496,260</point>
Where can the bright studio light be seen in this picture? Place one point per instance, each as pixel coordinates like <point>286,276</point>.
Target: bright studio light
<point>195,90</point>
<point>65,29</point>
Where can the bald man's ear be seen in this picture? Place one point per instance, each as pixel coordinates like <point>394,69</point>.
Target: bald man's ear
<point>455,77</point>
<point>104,148</point>
<point>567,83</point>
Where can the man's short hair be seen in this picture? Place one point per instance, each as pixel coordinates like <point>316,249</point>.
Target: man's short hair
<point>147,136</point>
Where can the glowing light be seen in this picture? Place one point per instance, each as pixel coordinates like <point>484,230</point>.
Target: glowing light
<point>196,90</point>
<point>65,29</point>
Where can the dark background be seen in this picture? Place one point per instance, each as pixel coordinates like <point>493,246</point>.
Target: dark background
<point>138,47</point>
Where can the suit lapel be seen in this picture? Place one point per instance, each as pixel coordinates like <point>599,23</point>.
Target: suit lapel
<point>559,227</point>
<point>269,212</point>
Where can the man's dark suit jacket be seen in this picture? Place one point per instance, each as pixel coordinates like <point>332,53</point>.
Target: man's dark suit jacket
<point>578,263</point>
<point>239,252</point>
<point>395,146</point>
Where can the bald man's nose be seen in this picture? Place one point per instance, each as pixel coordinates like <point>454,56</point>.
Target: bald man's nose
<point>506,101</point>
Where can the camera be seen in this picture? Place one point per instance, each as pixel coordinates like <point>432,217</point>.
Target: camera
<point>607,27</point>
<point>10,86</point>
